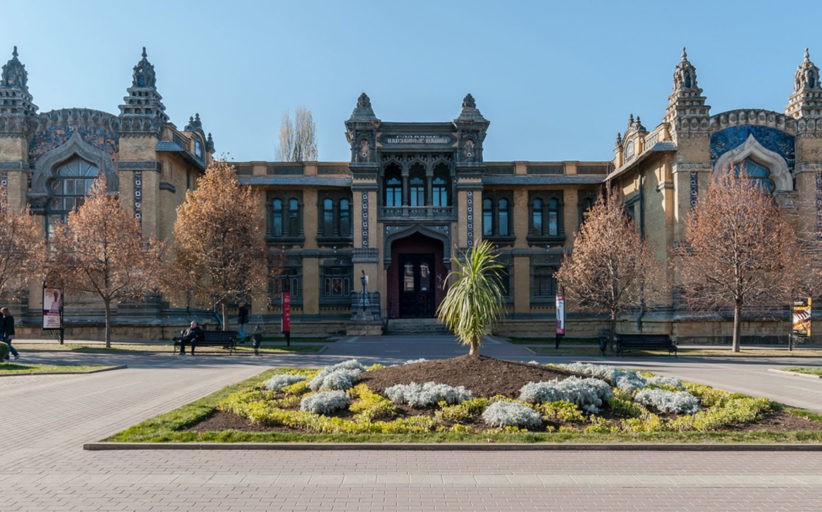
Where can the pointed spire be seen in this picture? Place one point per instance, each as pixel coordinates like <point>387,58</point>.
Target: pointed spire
<point>209,143</point>
<point>806,100</point>
<point>469,110</point>
<point>618,140</point>
<point>14,81</point>
<point>363,110</point>
<point>143,112</point>
<point>686,100</point>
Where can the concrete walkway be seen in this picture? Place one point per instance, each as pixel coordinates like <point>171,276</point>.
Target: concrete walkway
<point>46,419</point>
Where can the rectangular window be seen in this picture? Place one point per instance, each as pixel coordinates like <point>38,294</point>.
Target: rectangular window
<point>553,223</point>
<point>336,281</point>
<point>544,284</point>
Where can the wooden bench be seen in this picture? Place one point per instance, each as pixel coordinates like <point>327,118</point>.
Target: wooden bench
<point>225,339</point>
<point>644,341</point>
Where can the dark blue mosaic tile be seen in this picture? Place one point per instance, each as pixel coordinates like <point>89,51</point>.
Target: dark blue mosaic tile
<point>770,138</point>
<point>44,141</point>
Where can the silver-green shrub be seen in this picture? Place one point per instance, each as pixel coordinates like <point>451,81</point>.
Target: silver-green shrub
<point>428,394</point>
<point>412,361</point>
<point>678,402</point>
<point>278,382</point>
<point>340,376</point>
<point>589,394</point>
<point>511,414</point>
<point>626,380</point>
<point>325,402</point>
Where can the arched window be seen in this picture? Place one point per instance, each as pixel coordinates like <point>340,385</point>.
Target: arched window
<point>293,217</point>
<point>757,172</point>
<point>502,215</point>
<point>440,190</point>
<point>73,179</point>
<point>553,217</point>
<point>416,186</point>
<point>345,217</point>
<point>276,218</point>
<point>393,187</point>
<point>328,217</point>
<point>536,216</point>
<point>487,217</point>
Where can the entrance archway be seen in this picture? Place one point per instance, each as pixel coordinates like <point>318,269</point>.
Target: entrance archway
<point>415,277</point>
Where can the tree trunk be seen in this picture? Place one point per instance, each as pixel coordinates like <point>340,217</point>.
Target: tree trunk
<point>108,322</point>
<point>224,314</point>
<point>474,347</point>
<point>737,326</point>
<point>612,328</point>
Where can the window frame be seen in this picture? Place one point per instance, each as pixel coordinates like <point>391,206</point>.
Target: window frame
<point>291,219</point>
<point>496,197</point>
<point>335,236</point>
<point>544,236</point>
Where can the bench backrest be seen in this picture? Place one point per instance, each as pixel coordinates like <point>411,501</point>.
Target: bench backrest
<point>219,335</point>
<point>644,338</point>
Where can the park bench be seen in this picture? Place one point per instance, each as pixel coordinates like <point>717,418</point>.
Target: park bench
<point>225,339</point>
<point>644,341</point>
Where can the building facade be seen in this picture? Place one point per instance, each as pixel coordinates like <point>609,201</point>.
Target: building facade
<point>412,197</point>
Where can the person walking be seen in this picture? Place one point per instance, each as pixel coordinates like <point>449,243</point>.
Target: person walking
<point>242,320</point>
<point>7,332</point>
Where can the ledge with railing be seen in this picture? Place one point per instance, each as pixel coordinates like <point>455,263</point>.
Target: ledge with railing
<point>417,212</point>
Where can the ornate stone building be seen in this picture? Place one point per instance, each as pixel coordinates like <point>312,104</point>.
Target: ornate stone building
<point>411,197</point>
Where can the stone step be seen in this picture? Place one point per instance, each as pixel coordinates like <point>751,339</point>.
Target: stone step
<point>416,326</point>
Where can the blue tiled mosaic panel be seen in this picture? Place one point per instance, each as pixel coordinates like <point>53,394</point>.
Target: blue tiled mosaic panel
<point>770,138</point>
<point>50,138</point>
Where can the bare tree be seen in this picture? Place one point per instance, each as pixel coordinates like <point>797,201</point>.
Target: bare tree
<point>610,267</point>
<point>22,247</point>
<point>298,142</point>
<point>100,250</point>
<point>221,255</point>
<point>740,252</point>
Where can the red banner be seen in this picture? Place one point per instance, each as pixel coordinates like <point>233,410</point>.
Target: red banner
<point>286,312</point>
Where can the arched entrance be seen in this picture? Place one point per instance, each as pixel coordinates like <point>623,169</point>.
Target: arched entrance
<point>415,277</point>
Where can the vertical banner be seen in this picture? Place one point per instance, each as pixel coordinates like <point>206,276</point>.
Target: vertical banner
<point>560,314</point>
<point>286,312</point>
<point>802,317</point>
<point>52,306</point>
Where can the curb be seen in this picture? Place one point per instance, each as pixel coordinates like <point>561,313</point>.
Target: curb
<point>795,374</point>
<point>656,447</point>
<point>118,367</point>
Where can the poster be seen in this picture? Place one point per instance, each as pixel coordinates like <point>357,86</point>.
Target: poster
<point>52,306</point>
<point>802,317</point>
<point>560,314</point>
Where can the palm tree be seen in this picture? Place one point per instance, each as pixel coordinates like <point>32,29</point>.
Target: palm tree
<point>474,301</point>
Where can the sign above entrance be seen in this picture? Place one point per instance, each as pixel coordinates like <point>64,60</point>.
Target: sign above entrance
<point>416,139</point>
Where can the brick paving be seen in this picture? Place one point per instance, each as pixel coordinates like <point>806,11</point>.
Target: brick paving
<point>46,419</point>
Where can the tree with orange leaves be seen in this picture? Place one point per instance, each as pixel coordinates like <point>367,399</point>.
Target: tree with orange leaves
<point>740,252</point>
<point>221,254</point>
<point>21,248</point>
<point>100,250</point>
<point>610,267</point>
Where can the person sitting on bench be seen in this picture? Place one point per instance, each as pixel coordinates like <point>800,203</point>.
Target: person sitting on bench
<point>191,336</point>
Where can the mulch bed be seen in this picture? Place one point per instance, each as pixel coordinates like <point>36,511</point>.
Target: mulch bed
<point>484,377</point>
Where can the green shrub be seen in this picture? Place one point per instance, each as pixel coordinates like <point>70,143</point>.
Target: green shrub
<point>4,351</point>
<point>369,405</point>
<point>622,408</point>
<point>468,410</point>
<point>561,411</point>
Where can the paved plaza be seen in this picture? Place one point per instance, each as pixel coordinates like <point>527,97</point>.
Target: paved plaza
<point>46,419</point>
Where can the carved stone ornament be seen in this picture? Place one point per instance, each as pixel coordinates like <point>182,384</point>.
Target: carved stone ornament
<point>143,75</point>
<point>14,73</point>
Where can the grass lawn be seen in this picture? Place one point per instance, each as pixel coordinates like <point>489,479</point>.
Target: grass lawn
<point>18,369</point>
<point>551,341</point>
<point>160,347</point>
<point>682,351</point>
<point>170,427</point>
<point>300,339</point>
<point>806,370</point>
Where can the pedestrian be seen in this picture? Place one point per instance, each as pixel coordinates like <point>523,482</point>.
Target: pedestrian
<point>242,320</point>
<point>191,336</point>
<point>7,331</point>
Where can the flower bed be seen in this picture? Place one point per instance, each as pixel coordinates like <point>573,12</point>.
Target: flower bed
<point>608,400</point>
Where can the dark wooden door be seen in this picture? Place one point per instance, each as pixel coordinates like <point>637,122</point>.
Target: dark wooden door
<point>416,285</point>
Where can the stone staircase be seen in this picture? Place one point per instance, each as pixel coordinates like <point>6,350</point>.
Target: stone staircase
<point>415,326</point>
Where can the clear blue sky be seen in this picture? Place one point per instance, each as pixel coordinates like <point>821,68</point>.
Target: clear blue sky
<point>557,80</point>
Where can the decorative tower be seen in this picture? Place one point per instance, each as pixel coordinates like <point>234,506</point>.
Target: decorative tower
<point>471,128</point>
<point>15,101</point>
<point>361,132</point>
<point>806,100</point>
<point>143,112</point>
<point>686,112</point>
